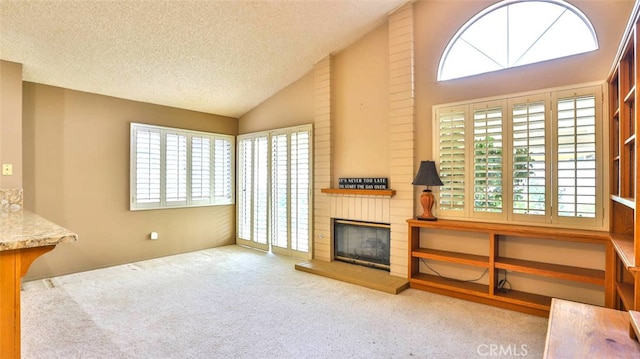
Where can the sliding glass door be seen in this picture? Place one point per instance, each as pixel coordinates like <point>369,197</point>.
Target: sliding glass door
<point>274,191</point>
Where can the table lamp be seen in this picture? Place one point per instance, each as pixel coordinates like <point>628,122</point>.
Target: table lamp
<point>427,176</point>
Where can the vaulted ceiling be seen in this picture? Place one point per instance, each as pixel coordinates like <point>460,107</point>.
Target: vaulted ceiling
<point>215,56</point>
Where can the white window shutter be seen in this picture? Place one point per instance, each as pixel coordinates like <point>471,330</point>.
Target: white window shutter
<point>200,169</point>
<point>280,190</point>
<point>487,160</point>
<point>529,158</point>
<point>300,190</point>
<point>535,157</point>
<point>146,166</point>
<point>452,160</point>
<point>176,167</point>
<point>260,191</point>
<point>245,188</point>
<point>222,174</point>
<point>576,148</point>
<point>274,190</point>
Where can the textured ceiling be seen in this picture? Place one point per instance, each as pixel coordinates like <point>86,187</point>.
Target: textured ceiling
<point>222,57</point>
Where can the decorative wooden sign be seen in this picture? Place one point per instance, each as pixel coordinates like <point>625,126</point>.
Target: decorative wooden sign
<point>362,183</point>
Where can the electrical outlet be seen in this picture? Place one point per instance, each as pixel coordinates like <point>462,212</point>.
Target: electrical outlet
<point>154,235</point>
<point>7,169</point>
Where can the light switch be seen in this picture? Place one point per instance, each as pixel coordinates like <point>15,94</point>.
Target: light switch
<point>7,170</point>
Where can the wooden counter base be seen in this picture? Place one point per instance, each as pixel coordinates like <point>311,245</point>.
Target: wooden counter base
<point>14,264</point>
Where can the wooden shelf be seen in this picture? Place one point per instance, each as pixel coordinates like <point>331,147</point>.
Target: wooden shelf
<point>625,292</point>
<point>631,95</point>
<point>551,233</point>
<point>623,245</point>
<point>449,284</point>
<point>625,172</point>
<point>495,233</point>
<point>537,301</point>
<point>630,139</point>
<point>625,166</point>
<point>361,192</point>
<point>452,257</point>
<point>629,202</point>
<point>584,275</point>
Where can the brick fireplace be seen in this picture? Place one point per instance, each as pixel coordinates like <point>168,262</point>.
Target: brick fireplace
<point>362,215</point>
<point>394,209</point>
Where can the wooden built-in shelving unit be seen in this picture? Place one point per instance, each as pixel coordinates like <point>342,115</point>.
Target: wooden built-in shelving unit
<point>625,167</point>
<point>495,233</point>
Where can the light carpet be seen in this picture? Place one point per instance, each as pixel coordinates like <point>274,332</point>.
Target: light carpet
<point>234,302</point>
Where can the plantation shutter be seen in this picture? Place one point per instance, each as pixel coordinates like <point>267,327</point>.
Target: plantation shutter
<point>532,158</point>
<point>529,161</point>
<point>222,174</point>
<point>279,191</point>
<point>274,193</point>
<point>147,166</point>
<point>173,167</point>
<point>487,160</point>
<point>452,160</point>
<point>201,168</point>
<point>245,188</point>
<point>300,190</point>
<point>576,150</point>
<point>260,191</point>
<point>176,167</point>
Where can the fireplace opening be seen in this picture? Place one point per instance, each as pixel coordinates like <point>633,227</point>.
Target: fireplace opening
<point>362,243</point>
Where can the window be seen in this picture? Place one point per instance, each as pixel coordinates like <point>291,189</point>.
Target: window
<point>535,158</point>
<point>514,33</point>
<point>274,190</point>
<point>179,168</point>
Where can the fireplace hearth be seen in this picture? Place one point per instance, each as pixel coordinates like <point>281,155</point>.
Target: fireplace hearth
<point>362,243</point>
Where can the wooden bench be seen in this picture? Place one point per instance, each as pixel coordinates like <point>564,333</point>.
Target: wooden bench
<point>578,330</point>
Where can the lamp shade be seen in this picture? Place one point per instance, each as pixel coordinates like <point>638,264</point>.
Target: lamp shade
<point>427,175</point>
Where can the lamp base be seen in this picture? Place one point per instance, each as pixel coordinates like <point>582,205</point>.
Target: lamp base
<point>427,200</point>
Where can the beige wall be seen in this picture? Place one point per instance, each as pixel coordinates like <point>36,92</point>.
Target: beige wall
<point>292,106</point>
<point>76,161</point>
<point>361,108</point>
<point>11,122</point>
<point>361,103</point>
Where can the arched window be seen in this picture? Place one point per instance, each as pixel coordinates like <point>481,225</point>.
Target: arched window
<point>514,33</point>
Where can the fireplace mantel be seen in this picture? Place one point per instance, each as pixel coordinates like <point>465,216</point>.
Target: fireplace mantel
<point>361,192</point>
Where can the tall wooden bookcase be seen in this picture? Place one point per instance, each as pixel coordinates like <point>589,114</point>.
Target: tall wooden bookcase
<point>625,166</point>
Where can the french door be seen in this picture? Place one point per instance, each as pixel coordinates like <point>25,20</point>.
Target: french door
<point>274,190</point>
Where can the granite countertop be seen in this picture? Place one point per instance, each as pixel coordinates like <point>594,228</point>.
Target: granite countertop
<point>23,229</point>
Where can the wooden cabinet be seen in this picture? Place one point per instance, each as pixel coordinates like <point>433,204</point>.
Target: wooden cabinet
<point>623,121</point>
<point>495,235</point>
